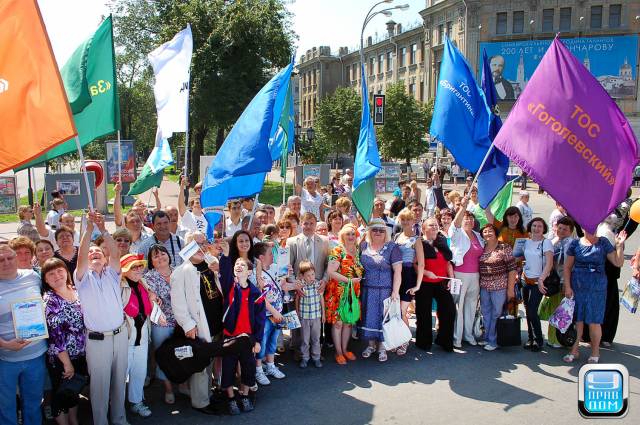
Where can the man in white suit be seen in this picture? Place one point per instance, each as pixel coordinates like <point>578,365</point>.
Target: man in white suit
<point>310,247</point>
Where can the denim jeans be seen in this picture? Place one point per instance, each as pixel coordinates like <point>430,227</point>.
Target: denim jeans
<point>269,342</point>
<point>28,376</point>
<point>160,334</point>
<point>491,305</point>
<point>532,298</point>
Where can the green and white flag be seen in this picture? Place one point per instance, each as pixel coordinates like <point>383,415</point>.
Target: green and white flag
<point>498,206</point>
<point>89,78</point>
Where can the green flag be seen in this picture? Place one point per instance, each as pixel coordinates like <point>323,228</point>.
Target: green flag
<point>146,180</point>
<point>91,71</point>
<point>498,206</point>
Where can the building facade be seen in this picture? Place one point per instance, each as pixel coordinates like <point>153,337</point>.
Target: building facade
<point>516,33</point>
<point>397,56</point>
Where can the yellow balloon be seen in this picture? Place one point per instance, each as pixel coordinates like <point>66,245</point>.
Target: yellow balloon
<point>634,212</point>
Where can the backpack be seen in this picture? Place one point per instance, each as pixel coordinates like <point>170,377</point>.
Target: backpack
<point>349,308</point>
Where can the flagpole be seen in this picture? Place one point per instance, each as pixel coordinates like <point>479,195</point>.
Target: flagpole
<point>284,184</point>
<point>484,160</point>
<point>35,186</point>
<point>84,172</point>
<point>119,158</point>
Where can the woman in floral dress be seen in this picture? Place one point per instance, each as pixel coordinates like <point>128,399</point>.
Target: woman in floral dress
<point>66,353</point>
<point>344,264</point>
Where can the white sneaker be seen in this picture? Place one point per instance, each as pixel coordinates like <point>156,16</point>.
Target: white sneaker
<point>261,377</point>
<point>141,410</point>
<point>490,347</point>
<point>272,370</point>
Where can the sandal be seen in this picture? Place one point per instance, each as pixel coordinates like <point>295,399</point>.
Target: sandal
<point>169,398</point>
<point>349,356</point>
<point>593,360</point>
<point>368,352</point>
<point>402,350</point>
<point>382,356</point>
<point>569,358</point>
<point>340,359</point>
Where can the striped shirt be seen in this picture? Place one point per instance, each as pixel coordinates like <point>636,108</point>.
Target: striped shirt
<point>26,285</point>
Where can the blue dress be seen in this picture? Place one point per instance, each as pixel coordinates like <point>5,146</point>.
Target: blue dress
<point>377,286</point>
<point>588,279</point>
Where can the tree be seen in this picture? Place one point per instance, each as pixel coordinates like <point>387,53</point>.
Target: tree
<point>406,123</point>
<point>338,122</point>
<point>238,46</point>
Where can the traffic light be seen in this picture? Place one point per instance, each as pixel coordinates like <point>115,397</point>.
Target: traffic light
<point>378,109</point>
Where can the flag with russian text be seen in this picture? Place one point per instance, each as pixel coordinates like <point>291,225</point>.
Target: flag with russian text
<point>571,138</point>
<point>461,116</point>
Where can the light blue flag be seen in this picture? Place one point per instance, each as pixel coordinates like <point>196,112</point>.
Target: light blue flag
<point>461,115</point>
<point>161,156</point>
<point>245,157</point>
<point>367,162</point>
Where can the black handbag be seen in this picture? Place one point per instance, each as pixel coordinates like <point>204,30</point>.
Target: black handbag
<point>508,330</point>
<point>68,393</point>
<point>552,282</point>
<point>568,338</point>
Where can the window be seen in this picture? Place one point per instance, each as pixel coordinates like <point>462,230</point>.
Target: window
<point>565,19</point>
<point>422,51</point>
<point>596,16</point>
<point>412,90</point>
<point>440,33</point>
<point>380,64</point>
<point>389,60</point>
<point>413,54</point>
<point>403,54</point>
<point>449,28</point>
<point>615,15</point>
<point>371,64</point>
<point>354,71</point>
<point>501,23</point>
<point>547,20</point>
<point>518,22</point>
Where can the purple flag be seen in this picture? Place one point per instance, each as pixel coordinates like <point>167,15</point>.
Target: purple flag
<point>570,137</point>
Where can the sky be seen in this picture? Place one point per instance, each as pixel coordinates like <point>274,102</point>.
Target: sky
<point>333,23</point>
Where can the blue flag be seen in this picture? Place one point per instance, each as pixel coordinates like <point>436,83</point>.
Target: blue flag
<point>245,157</point>
<point>461,116</point>
<point>493,175</point>
<point>367,162</point>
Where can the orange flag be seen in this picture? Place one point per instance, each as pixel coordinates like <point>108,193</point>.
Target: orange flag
<point>34,111</point>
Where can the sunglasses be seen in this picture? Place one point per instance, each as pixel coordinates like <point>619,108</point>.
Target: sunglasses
<point>375,230</point>
<point>136,267</point>
<point>285,227</point>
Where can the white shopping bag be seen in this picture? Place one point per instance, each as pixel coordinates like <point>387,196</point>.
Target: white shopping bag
<point>394,330</point>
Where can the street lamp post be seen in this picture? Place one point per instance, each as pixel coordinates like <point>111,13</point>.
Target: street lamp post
<point>370,15</point>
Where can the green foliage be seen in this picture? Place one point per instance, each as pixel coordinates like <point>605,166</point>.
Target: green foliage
<point>338,122</point>
<point>406,123</point>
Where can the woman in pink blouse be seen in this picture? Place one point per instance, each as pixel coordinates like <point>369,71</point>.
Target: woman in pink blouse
<point>497,282</point>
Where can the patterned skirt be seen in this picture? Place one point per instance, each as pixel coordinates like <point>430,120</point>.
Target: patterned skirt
<point>373,311</point>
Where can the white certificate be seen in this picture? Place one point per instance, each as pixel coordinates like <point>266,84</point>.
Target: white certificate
<point>29,321</point>
<point>283,262</point>
<point>518,247</point>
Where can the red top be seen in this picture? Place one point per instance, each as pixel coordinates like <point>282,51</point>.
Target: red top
<point>243,325</point>
<point>436,265</point>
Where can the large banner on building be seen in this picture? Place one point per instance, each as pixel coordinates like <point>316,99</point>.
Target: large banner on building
<point>612,60</point>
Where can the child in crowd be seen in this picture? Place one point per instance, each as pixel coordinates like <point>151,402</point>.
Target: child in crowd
<point>53,216</point>
<point>310,307</point>
<point>244,314</point>
<point>272,325</point>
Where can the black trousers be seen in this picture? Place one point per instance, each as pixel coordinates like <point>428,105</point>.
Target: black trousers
<point>247,361</point>
<point>446,316</point>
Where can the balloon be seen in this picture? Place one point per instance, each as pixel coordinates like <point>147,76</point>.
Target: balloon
<point>634,212</point>
<point>97,169</point>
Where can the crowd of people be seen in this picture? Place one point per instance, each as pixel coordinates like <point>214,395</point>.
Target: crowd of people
<point>317,270</point>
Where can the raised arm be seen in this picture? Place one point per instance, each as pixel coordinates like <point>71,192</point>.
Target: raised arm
<point>156,195</point>
<point>83,250</point>
<point>110,243</point>
<point>457,222</point>
<point>117,204</point>
<point>617,257</point>
<point>40,226</point>
<point>182,208</point>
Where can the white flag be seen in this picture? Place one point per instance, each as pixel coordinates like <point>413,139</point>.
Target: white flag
<point>171,62</point>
